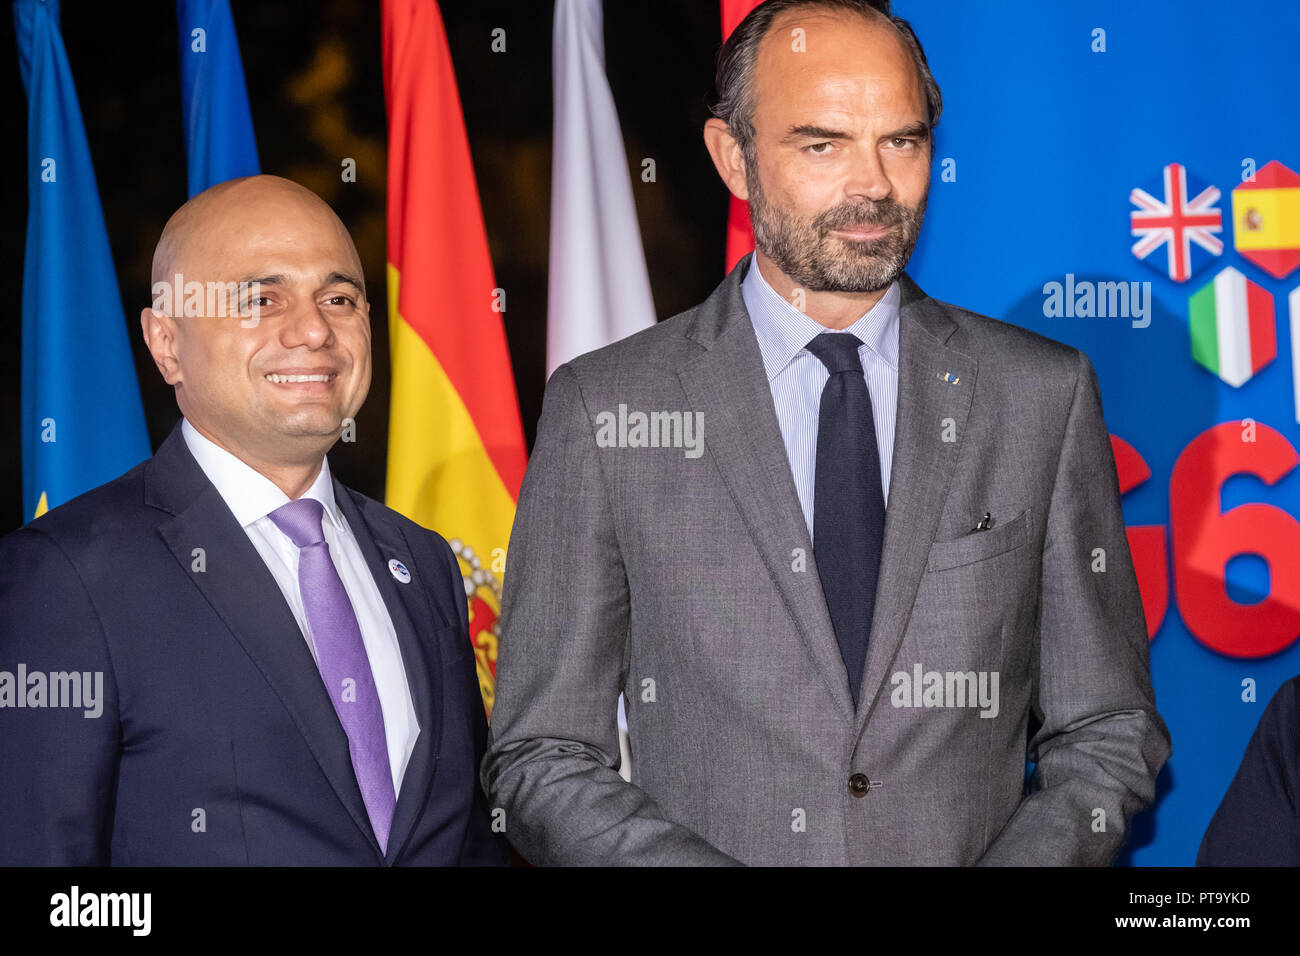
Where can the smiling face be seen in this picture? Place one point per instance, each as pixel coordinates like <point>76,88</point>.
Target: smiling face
<point>839,166</point>
<point>272,377</point>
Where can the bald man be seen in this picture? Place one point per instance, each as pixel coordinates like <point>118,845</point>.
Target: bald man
<point>225,656</point>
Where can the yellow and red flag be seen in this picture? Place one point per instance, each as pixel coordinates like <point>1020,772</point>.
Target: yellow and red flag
<point>740,233</point>
<point>1266,219</point>
<point>456,450</point>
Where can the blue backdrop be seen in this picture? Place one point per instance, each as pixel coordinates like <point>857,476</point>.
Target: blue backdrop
<point>1046,134</point>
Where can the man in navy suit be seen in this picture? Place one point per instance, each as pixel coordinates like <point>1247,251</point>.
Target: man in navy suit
<point>225,656</point>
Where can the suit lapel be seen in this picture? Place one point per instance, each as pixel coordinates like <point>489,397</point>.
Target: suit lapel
<point>244,594</point>
<point>381,540</point>
<point>921,471</point>
<point>728,384</point>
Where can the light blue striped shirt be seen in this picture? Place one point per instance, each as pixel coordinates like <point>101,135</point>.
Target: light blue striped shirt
<point>797,377</point>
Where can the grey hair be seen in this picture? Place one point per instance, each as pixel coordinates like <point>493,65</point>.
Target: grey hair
<point>735,68</point>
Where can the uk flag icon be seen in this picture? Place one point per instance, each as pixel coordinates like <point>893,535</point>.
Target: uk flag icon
<point>1176,212</point>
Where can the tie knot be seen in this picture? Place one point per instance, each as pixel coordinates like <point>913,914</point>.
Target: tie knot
<point>301,521</point>
<point>838,351</point>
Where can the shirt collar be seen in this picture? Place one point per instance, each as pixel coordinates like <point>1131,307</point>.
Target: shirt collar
<point>249,494</point>
<point>783,331</point>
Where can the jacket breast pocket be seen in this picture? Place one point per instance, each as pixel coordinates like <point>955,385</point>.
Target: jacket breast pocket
<point>980,545</point>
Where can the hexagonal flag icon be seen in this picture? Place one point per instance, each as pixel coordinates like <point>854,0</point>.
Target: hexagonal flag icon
<point>1232,326</point>
<point>1293,300</point>
<point>1178,211</point>
<point>1266,220</point>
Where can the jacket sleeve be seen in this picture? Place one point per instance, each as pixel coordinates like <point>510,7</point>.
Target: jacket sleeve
<point>1101,742</point>
<point>1258,822</point>
<point>553,744</point>
<point>58,765</point>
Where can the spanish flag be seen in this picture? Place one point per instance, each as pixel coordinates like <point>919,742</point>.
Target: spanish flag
<point>1266,219</point>
<point>456,451</point>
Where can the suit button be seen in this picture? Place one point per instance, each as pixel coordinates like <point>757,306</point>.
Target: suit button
<point>859,784</point>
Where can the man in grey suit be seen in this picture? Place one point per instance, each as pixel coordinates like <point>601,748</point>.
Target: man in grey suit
<point>851,554</point>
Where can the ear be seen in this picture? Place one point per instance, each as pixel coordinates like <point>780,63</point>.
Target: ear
<point>159,330</point>
<point>727,157</point>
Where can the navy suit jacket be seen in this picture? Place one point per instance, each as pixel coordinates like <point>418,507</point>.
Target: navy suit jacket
<point>217,744</point>
<point>1258,822</point>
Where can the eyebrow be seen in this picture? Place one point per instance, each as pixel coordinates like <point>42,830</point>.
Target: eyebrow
<point>262,280</point>
<point>812,131</point>
<point>911,131</point>
<point>334,278</point>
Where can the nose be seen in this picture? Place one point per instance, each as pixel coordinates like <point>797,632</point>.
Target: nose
<point>306,326</point>
<point>867,177</point>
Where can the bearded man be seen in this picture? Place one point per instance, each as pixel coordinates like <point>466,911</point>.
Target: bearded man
<point>847,613</point>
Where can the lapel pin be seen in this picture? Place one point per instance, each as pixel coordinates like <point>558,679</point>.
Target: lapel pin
<point>949,377</point>
<point>398,570</point>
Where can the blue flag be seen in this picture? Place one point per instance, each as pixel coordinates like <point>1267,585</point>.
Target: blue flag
<point>219,143</point>
<point>83,423</point>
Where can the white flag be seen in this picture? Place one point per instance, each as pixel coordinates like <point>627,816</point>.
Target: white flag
<point>599,290</point>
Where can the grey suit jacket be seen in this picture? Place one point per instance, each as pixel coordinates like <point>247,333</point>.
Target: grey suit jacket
<point>688,582</point>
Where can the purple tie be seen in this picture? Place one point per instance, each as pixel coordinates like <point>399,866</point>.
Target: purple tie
<point>341,657</point>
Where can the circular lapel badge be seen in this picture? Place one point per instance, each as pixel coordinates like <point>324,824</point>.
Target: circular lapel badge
<point>399,571</point>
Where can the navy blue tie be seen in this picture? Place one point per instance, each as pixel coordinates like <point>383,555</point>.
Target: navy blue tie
<point>848,502</point>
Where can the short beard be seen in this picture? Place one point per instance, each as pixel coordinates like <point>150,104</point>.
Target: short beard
<point>806,253</point>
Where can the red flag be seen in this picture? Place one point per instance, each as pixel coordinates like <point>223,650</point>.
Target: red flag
<point>740,234</point>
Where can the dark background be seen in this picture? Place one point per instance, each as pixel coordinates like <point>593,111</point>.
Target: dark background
<point>314,73</point>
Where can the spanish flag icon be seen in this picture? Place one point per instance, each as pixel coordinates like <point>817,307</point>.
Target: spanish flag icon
<point>1266,220</point>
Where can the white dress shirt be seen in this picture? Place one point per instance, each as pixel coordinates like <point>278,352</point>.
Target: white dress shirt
<point>252,497</point>
<point>797,377</point>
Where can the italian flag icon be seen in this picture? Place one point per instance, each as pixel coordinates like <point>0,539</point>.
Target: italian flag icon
<point>1232,327</point>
